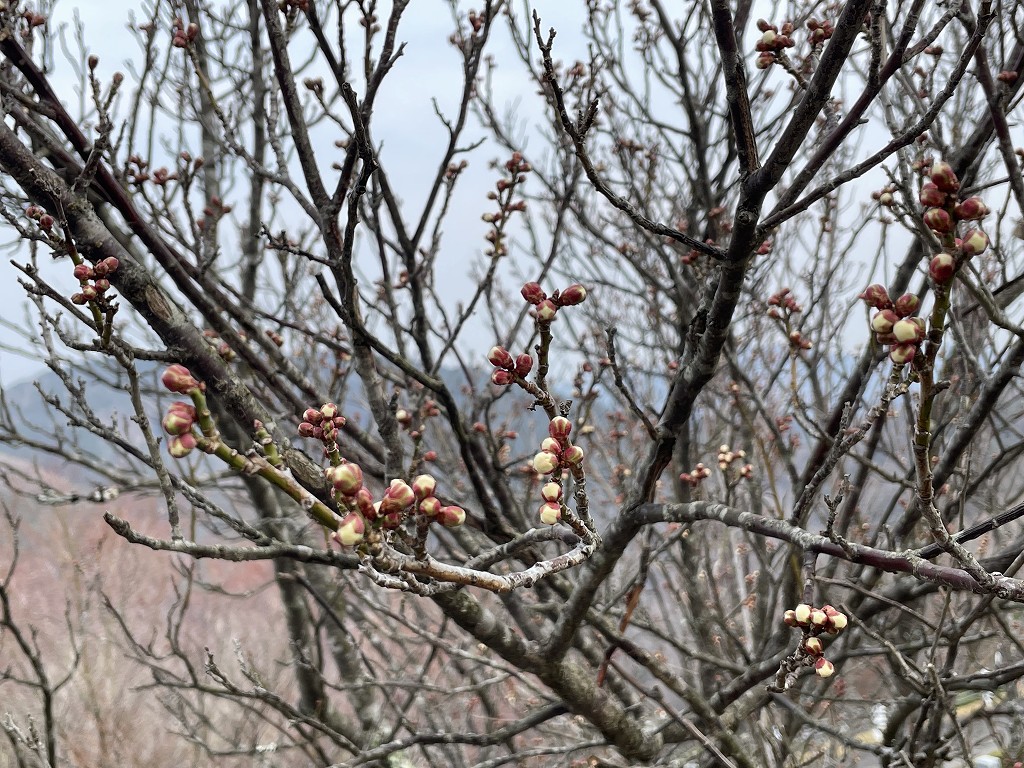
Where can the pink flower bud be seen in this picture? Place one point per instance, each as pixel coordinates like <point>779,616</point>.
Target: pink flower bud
<point>789,618</point>
<point>329,411</point>
<point>423,486</point>
<point>559,428</point>
<point>939,220</point>
<point>501,377</point>
<point>180,446</point>
<point>430,456</point>
<point>943,177</point>
<point>451,517</point>
<point>802,613</point>
<point>907,331</point>
<point>931,196</point>
<point>179,419</point>
<point>351,531</point>
<point>551,492</point>
<point>347,479</point>
<point>574,294</point>
<point>971,209</point>
<point>876,296</point>
<point>818,617</point>
<point>551,445</point>
<point>102,285</point>
<point>83,272</point>
<point>524,364</point>
<point>546,311</point>
<point>550,512</point>
<point>545,463</point>
<point>573,456</point>
<point>430,506</point>
<point>942,267</point>
<point>110,264</point>
<point>974,242</point>
<point>907,304</point>
<point>397,497</point>
<point>837,620</point>
<point>364,501</point>
<point>901,354</point>
<point>403,417</point>
<point>532,293</point>
<point>883,321</point>
<point>177,378</point>
<point>78,298</point>
<point>90,292</point>
<point>312,415</point>
<point>813,646</point>
<point>499,357</point>
<point>824,668</point>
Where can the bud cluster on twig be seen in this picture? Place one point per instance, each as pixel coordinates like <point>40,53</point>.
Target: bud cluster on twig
<point>895,324</point>
<point>815,622</point>
<point>782,306</point>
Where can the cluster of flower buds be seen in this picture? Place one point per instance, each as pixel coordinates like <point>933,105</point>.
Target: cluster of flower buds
<point>895,323</point>
<point>943,212</point>
<point>885,195</point>
<point>546,307</point>
<point>556,452</point>
<point>93,280</point>
<point>41,217</point>
<point>183,35</point>
<point>772,42</point>
<point>322,424</point>
<point>814,622</point>
<point>177,378</point>
<point>781,308</point>
<point>178,423</point>
<point>503,193</point>
<point>696,476</point>
<point>728,457</point>
<point>820,31</point>
<point>507,368</point>
<point>32,19</point>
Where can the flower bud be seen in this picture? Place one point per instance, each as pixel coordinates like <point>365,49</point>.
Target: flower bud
<point>813,646</point>
<point>178,378</point>
<point>971,209</point>
<point>907,331</point>
<point>573,456</point>
<point>901,354</point>
<point>907,305</point>
<point>942,267</point>
<point>500,358</point>
<point>423,486</point>
<point>111,264</point>
<point>876,296</point>
<point>551,445</point>
<point>329,411</point>
<point>551,492</point>
<point>533,294</point>
<point>397,497</point>
<point>180,446</point>
<point>79,298</point>
<point>802,613</point>
<point>364,501</point>
<point>501,377</point>
<point>943,177</point>
<point>837,621</point>
<point>351,530</point>
<point>974,242</point>
<point>559,428</point>
<point>347,479</point>
<point>931,196</point>
<point>451,517</point>
<point>546,311</point>
<point>574,294</point>
<point>789,618</point>
<point>545,463</point>
<point>883,321</point>
<point>179,419</point>
<point>818,617</point>
<point>83,272</point>
<point>524,364</point>
<point>550,512</point>
<point>430,506</point>
<point>939,220</point>
<point>312,415</point>
<point>824,668</point>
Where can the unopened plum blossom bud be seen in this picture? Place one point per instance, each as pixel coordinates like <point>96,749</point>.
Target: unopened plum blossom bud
<point>546,311</point>
<point>971,209</point>
<point>532,293</point>
<point>941,268</point>
<point>423,486</point>
<point>83,272</point>
<point>876,296</point>
<point>308,430</point>
<point>364,501</point>
<point>907,305</point>
<point>351,530</point>
<point>574,294</point>
<point>901,354</point>
<point>110,263</point>
<point>524,364</point>
<point>931,196</point>
<point>813,646</point>
<point>573,455</point>
<point>501,377</point>
<point>329,410</point>
<point>974,242</point>
<point>559,428</point>
<point>551,492</point>
<point>501,358</point>
<point>397,497</point>
<point>545,463</point>
<point>943,177</point>
<point>347,479</point>
<point>178,378</point>
<point>824,668</point>
<point>430,456</point>
<point>451,517</point>
<point>837,620</point>
<point>403,417</point>
<point>907,331</point>
<point>939,220</point>
<point>802,613</point>
<point>180,446</point>
<point>818,617</point>
<point>179,419</point>
<point>550,512</point>
<point>789,618</point>
<point>430,506</point>
<point>79,298</point>
<point>312,415</point>
<point>883,321</point>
